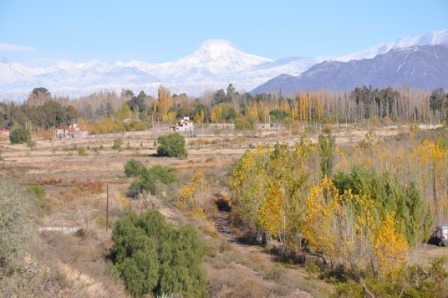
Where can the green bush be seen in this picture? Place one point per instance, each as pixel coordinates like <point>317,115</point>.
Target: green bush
<point>30,143</point>
<point>82,151</point>
<point>327,145</point>
<point>117,144</point>
<point>149,177</point>
<point>172,145</point>
<point>19,136</point>
<point>155,258</point>
<point>15,228</point>
<point>244,123</point>
<point>133,168</point>
<point>416,281</point>
<point>278,115</point>
<point>37,190</point>
<point>405,201</point>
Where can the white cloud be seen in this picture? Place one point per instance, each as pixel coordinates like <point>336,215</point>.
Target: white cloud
<point>15,48</point>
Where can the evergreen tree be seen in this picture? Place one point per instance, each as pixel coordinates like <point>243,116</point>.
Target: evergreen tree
<point>327,146</point>
<point>155,258</point>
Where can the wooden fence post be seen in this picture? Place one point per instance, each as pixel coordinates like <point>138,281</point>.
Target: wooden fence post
<point>107,208</point>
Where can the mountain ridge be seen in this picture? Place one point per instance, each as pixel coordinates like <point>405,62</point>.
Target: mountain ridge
<point>423,67</point>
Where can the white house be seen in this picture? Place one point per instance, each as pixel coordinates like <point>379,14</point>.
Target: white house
<point>71,132</point>
<point>184,125</point>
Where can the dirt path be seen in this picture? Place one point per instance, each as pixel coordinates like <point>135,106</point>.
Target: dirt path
<point>223,225</point>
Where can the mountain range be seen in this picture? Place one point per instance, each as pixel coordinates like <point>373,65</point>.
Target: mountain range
<point>215,64</point>
<point>421,67</point>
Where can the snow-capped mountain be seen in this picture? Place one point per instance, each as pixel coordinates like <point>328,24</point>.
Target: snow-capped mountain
<point>433,38</point>
<point>422,67</point>
<point>215,64</point>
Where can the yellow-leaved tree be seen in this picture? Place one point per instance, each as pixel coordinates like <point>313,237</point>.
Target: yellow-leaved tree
<point>164,100</point>
<point>353,231</point>
<point>191,194</point>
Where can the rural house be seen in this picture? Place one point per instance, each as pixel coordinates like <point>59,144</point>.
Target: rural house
<point>184,125</point>
<point>71,132</point>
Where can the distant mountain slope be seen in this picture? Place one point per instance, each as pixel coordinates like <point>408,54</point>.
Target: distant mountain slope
<point>430,39</point>
<point>424,67</point>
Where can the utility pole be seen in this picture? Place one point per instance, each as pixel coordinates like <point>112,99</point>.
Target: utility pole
<point>107,207</point>
<point>152,121</point>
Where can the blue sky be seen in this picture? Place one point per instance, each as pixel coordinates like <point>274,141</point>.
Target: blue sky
<point>162,30</point>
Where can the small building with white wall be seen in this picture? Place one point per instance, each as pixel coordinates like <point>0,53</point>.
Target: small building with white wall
<point>70,132</point>
<point>184,125</point>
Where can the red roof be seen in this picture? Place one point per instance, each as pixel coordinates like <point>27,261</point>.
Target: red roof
<point>3,129</point>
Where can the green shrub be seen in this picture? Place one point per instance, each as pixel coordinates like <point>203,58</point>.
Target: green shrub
<point>278,115</point>
<point>133,168</point>
<point>155,258</point>
<point>275,273</point>
<point>172,145</point>
<point>404,200</point>
<point>244,123</point>
<point>416,281</point>
<point>82,151</point>
<point>327,146</point>
<point>117,144</point>
<point>37,190</point>
<point>149,178</point>
<point>15,228</point>
<point>30,143</point>
<point>19,136</point>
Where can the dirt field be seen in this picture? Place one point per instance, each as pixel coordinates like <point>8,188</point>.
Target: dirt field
<point>76,185</point>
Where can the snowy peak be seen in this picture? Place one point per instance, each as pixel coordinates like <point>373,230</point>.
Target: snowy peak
<point>433,38</point>
<point>216,48</point>
<point>220,55</point>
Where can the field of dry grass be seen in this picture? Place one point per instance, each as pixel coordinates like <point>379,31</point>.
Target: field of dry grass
<point>76,183</point>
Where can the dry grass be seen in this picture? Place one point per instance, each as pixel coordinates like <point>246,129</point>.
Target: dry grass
<point>93,187</point>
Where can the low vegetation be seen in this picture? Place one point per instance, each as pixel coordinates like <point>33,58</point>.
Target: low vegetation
<point>172,145</point>
<point>156,258</point>
<point>148,178</point>
<point>414,281</point>
<point>22,274</point>
<point>133,168</point>
<point>15,227</point>
<point>19,135</point>
<point>362,220</point>
<point>117,144</point>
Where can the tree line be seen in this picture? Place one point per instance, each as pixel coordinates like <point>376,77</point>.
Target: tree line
<point>108,110</point>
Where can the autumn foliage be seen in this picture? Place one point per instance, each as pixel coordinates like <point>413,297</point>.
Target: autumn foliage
<point>381,201</point>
